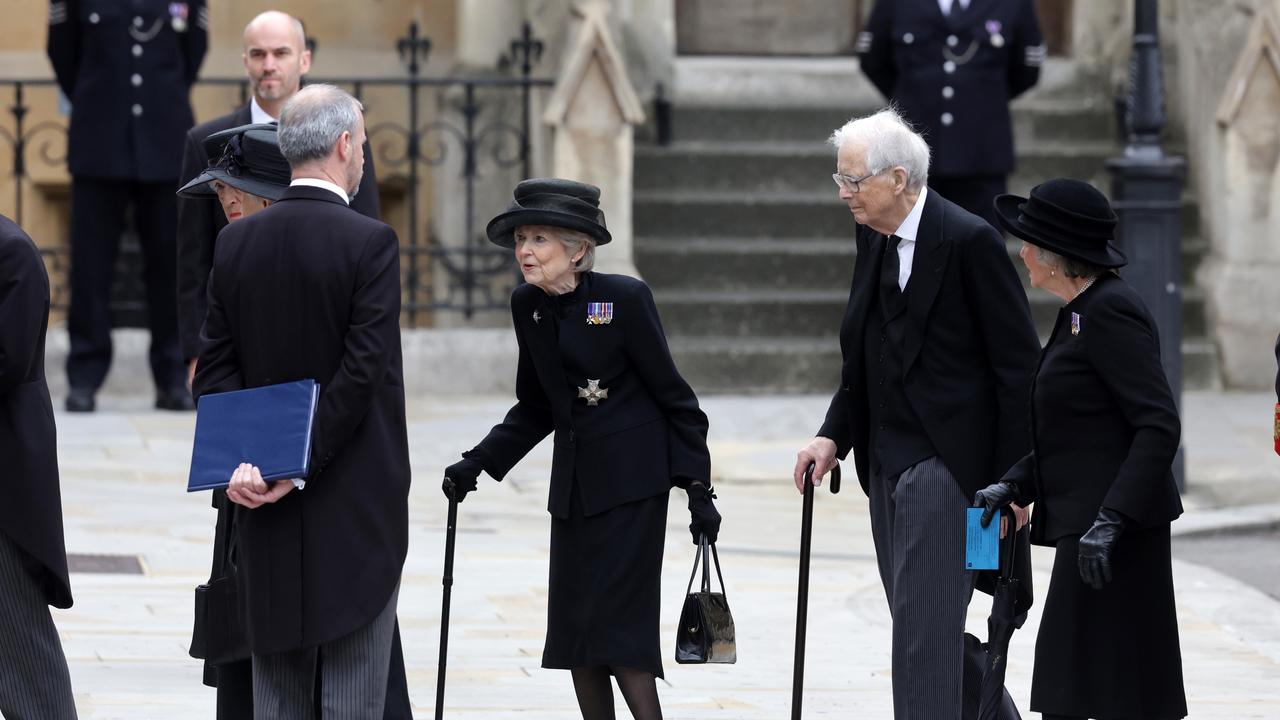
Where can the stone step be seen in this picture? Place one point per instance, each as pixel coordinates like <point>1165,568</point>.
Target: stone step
<point>807,166</point>
<point>778,214</point>
<point>1033,120</point>
<point>755,365</point>
<point>789,313</point>
<point>726,263</point>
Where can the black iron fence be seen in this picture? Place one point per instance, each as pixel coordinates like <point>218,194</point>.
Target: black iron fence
<point>478,124</point>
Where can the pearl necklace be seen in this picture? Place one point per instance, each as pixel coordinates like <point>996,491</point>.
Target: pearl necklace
<point>1087,284</point>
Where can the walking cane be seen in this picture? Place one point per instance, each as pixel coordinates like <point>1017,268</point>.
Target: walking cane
<point>802,602</point>
<point>447,582</point>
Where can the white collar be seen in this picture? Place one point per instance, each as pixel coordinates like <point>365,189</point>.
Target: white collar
<point>317,182</point>
<point>910,227</point>
<point>257,115</point>
<point>945,5</point>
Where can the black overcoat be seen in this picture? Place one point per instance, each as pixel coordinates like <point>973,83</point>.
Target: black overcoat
<point>646,436</point>
<point>200,221</point>
<point>1105,425</point>
<point>31,513</point>
<point>953,77</point>
<point>969,350</point>
<point>127,68</point>
<point>308,289</point>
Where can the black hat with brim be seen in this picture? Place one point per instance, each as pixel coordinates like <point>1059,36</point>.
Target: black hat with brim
<point>553,202</point>
<point>249,160</point>
<point>1068,217</point>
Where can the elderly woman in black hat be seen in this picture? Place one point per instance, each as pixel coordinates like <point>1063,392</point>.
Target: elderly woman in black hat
<point>1105,430</point>
<point>595,370</point>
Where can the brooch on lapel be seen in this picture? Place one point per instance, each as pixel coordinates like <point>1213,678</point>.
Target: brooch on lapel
<point>593,392</point>
<point>1075,323</point>
<point>536,316</point>
<point>599,313</point>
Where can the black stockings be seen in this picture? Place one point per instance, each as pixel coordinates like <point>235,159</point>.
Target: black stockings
<point>595,693</point>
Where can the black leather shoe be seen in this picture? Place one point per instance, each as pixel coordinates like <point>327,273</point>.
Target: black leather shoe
<point>80,400</point>
<point>178,399</point>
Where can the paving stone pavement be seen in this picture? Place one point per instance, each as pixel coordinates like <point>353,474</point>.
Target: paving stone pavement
<point>126,638</point>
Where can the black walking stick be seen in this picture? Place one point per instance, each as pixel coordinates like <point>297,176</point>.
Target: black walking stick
<point>447,582</point>
<point>802,602</point>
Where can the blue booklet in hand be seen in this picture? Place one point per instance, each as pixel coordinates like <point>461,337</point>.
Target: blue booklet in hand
<point>982,544</point>
<point>268,426</point>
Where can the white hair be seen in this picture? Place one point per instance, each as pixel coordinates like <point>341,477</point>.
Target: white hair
<point>890,143</point>
<point>574,240</point>
<point>1067,266</point>
<point>313,120</point>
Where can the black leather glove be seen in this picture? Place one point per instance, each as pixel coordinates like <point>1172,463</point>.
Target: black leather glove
<point>460,479</point>
<point>1096,547</point>
<point>705,517</point>
<point>994,498</point>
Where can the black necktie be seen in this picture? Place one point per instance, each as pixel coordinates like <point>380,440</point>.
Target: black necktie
<point>889,269</point>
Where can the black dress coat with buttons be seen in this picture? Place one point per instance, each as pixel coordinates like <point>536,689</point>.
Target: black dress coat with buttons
<point>969,349</point>
<point>309,289</point>
<point>993,50</point>
<point>127,67</point>
<point>31,513</point>
<point>200,221</point>
<point>646,436</point>
<point>1105,427</point>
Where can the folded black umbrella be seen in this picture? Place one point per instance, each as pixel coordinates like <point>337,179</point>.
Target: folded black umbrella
<point>1007,615</point>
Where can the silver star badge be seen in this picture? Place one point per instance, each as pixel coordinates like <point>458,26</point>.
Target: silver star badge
<point>536,316</point>
<point>593,392</point>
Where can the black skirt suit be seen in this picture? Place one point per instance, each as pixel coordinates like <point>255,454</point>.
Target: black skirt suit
<point>1105,433</point>
<point>613,464</point>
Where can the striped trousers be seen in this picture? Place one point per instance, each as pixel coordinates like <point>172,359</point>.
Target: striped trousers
<point>34,681</point>
<point>918,524</point>
<point>352,673</point>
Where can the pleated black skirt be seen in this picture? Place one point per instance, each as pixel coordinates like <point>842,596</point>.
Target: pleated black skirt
<point>1113,653</point>
<point>605,589</point>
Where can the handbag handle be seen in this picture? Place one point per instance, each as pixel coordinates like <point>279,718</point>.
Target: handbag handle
<point>706,554</point>
<point>1011,541</point>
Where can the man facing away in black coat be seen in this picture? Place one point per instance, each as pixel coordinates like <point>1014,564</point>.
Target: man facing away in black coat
<point>308,289</point>
<point>939,351</point>
<point>34,682</point>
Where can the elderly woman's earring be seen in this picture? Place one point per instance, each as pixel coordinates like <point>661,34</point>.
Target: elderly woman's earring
<point>1053,273</point>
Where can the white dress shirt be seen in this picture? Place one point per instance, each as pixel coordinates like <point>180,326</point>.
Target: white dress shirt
<point>317,182</point>
<point>908,231</point>
<point>946,6</point>
<point>257,115</point>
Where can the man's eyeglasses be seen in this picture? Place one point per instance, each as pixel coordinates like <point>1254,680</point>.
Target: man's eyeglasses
<point>852,184</point>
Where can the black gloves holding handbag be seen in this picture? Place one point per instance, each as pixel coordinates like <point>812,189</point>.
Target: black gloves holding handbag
<point>1097,546</point>
<point>460,478</point>
<point>705,518</point>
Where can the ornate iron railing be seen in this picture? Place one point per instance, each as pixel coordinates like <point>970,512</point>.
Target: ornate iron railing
<point>484,120</point>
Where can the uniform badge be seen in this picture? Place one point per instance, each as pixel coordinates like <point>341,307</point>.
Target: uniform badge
<point>599,313</point>
<point>178,12</point>
<point>593,392</point>
<point>1075,323</point>
<point>993,29</point>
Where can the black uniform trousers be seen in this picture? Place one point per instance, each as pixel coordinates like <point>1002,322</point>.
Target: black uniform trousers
<point>98,208</point>
<point>975,193</point>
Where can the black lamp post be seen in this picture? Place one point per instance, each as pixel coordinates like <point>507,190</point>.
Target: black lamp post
<point>1146,186</point>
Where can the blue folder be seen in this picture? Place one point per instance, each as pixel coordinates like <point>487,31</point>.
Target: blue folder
<point>268,426</point>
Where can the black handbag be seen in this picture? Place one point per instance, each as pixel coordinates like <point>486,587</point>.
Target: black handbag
<point>706,632</point>
<point>218,636</point>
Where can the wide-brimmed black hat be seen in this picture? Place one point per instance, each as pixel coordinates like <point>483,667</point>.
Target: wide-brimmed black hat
<point>248,159</point>
<point>554,202</point>
<point>1065,216</point>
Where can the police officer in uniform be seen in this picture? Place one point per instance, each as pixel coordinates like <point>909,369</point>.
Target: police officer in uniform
<point>127,67</point>
<point>951,67</point>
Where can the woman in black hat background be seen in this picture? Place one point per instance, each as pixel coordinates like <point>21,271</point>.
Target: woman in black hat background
<point>1105,430</point>
<point>594,369</point>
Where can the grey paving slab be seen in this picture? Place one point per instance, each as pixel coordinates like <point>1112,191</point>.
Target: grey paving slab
<point>126,637</point>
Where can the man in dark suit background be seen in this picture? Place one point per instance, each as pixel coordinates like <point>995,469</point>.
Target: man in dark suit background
<point>951,67</point>
<point>127,69</point>
<point>275,60</point>
<point>308,289</point>
<point>34,681</point>
<point>939,351</point>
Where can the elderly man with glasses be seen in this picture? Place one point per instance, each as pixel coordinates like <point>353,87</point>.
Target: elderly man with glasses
<point>939,351</point>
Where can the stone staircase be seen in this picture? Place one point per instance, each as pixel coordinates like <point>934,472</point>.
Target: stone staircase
<point>749,252</point>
